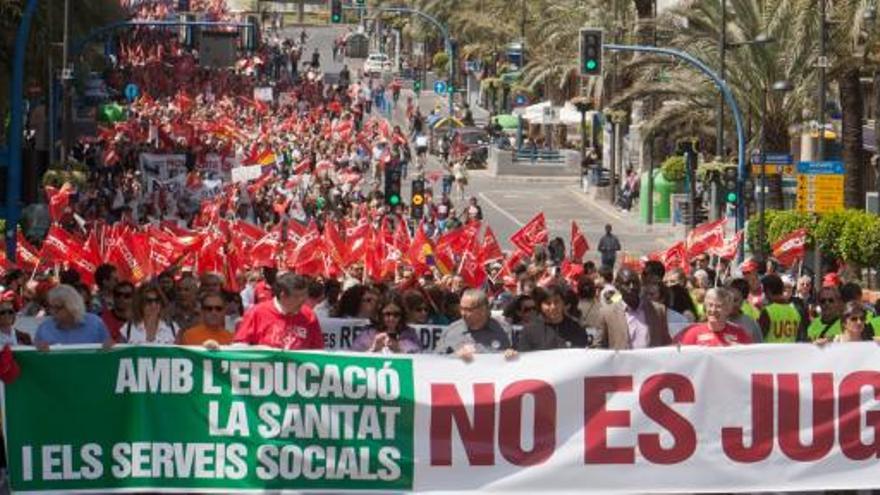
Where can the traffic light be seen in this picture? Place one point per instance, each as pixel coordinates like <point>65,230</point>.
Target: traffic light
<point>392,185</point>
<point>417,87</point>
<point>728,185</point>
<point>360,3</point>
<point>335,11</point>
<point>417,200</point>
<point>590,53</point>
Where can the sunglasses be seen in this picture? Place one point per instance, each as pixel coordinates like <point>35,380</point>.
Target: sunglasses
<point>827,301</point>
<point>123,295</point>
<point>856,318</point>
<point>528,308</point>
<point>394,314</point>
<point>213,308</point>
<point>7,312</point>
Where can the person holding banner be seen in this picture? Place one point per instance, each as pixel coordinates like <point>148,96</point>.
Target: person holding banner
<point>553,329</point>
<point>283,322</point>
<point>634,322</point>
<point>476,332</point>
<point>69,322</point>
<point>389,332</point>
<point>147,326</point>
<point>8,334</point>
<point>717,331</point>
<point>855,325</point>
<point>211,330</point>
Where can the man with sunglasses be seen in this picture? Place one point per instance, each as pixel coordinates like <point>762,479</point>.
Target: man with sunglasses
<point>827,325</point>
<point>119,312</point>
<point>210,331</point>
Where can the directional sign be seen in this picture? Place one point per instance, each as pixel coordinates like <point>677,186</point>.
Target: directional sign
<point>779,158</point>
<point>772,169</point>
<point>132,92</point>
<point>820,186</point>
<point>440,87</point>
<point>824,168</point>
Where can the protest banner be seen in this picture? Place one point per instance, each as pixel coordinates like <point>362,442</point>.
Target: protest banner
<point>661,420</point>
<point>163,170</point>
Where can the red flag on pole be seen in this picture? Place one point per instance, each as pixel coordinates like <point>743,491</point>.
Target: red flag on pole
<point>791,248</point>
<point>579,244</point>
<point>705,236</point>
<point>472,270</point>
<point>675,257</point>
<point>531,234</point>
<point>490,250</point>
<point>26,256</point>
<point>59,199</point>
<point>730,247</point>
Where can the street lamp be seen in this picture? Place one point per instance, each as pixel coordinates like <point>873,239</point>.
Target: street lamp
<point>776,87</point>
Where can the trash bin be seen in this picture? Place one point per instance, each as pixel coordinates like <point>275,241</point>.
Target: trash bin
<point>663,190</point>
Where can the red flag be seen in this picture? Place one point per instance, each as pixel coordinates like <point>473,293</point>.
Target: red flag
<point>579,244</point>
<point>675,257</point>
<point>264,252</point>
<point>571,271</point>
<point>705,236</point>
<point>122,254</point>
<point>336,246</point>
<point>531,234</point>
<point>730,247</point>
<point>26,256</point>
<point>490,250</point>
<point>62,247</point>
<point>357,239</point>
<point>420,249</point>
<point>401,238</point>
<point>791,248</point>
<point>472,271</point>
<point>59,199</point>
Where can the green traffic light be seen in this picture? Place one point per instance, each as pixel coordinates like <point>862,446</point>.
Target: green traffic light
<point>591,64</point>
<point>394,200</point>
<point>731,197</point>
<point>336,18</point>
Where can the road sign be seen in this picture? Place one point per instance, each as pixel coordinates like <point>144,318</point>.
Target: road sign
<point>820,186</point>
<point>779,158</point>
<point>829,167</point>
<point>440,87</point>
<point>521,100</point>
<point>772,169</point>
<point>132,92</point>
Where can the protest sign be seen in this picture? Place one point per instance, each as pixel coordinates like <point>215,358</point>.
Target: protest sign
<point>661,420</point>
<point>160,170</point>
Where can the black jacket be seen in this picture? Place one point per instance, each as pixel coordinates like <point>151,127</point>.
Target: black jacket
<point>542,336</point>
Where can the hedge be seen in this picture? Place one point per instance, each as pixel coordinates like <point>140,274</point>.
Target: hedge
<point>849,235</point>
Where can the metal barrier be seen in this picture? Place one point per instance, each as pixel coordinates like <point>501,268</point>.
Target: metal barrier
<point>538,155</point>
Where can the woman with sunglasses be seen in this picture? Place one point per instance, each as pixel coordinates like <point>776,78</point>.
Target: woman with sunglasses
<point>8,333</point>
<point>147,325</point>
<point>358,301</point>
<point>855,325</point>
<point>389,332</point>
<point>520,311</point>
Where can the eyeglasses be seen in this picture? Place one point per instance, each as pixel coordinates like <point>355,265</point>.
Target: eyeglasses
<point>827,301</point>
<point>123,295</point>
<point>7,312</point>
<point>213,308</point>
<point>528,309</point>
<point>856,318</point>
<point>392,314</point>
<point>422,309</point>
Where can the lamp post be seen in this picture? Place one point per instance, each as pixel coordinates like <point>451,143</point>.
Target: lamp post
<point>777,87</point>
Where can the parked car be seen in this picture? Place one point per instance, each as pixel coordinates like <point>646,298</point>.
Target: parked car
<point>470,144</point>
<point>377,63</point>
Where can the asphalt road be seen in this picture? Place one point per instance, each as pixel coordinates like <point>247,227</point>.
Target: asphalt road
<point>509,203</point>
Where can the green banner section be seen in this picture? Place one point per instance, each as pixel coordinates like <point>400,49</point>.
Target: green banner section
<point>170,417</point>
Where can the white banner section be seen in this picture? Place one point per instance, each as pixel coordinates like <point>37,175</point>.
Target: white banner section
<point>752,418</point>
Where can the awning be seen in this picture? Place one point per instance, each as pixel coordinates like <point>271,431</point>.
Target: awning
<point>567,114</point>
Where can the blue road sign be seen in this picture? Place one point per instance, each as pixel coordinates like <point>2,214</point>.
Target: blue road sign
<point>821,168</point>
<point>779,158</point>
<point>440,87</point>
<point>520,100</point>
<point>132,92</point>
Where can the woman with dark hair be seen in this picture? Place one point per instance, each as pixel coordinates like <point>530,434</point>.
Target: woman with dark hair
<point>147,326</point>
<point>855,325</point>
<point>389,332</point>
<point>520,311</point>
<point>589,304</point>
<point>680,300</point>
<point>358,301</point>
<point>417,309</point>
<point>553,329</point>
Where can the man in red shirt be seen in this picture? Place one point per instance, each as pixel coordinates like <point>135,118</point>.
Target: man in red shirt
<point>284,321</point>
<point>716,331</point>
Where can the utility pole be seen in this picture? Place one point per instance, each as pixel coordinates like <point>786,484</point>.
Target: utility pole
<point>823,64</point>
<point>722,47</point>
<point>65,87</point>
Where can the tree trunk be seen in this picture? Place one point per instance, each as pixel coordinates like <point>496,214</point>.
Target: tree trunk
<point>851,102</point>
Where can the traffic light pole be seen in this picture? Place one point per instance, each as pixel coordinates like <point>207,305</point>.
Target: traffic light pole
<point>734,108</point>
<point>447,42</point>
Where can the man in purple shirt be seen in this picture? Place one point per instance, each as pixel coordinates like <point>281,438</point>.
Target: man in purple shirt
<point>635,322</point>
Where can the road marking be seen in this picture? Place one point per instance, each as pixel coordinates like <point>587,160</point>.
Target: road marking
<point>501,210</point>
